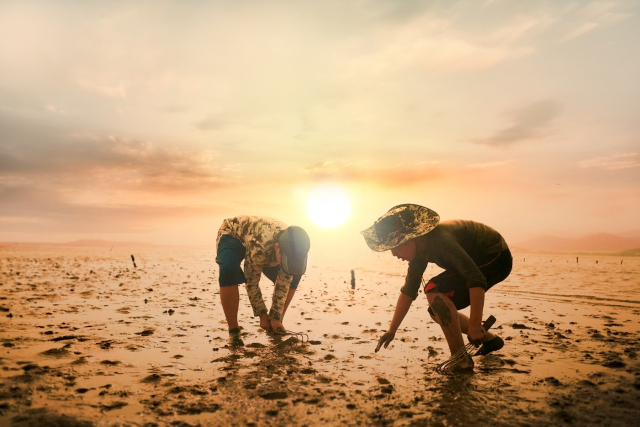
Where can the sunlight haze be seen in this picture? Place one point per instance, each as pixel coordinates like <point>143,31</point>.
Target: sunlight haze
<point>154,121</point>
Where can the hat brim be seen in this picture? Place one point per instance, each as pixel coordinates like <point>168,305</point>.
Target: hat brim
<point>293,266</point>
<point>425,221</point>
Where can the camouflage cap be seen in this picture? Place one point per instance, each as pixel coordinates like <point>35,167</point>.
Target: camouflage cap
<point>399,225</point>
<point>294,248</point>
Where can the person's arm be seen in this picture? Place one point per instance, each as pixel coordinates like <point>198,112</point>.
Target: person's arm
<point>402,308</point>
<point>290,295</point>
<point>408,293</point>
<point>280,291</point>
<point>252,275</point>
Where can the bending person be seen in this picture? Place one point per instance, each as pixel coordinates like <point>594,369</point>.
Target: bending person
<point>474,256</point>
<point>267,246</point>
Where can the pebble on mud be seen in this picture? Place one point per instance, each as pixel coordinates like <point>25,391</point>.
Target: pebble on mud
<point>519,326</point>
<point>153,378</point>
<point>274,395</point>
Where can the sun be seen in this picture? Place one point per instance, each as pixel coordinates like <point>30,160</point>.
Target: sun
<point>328,205</point>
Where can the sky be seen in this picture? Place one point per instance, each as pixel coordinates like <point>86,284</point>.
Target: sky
<point>153,121</point>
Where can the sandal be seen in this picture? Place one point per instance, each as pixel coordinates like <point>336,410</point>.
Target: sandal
<point>490,346</point>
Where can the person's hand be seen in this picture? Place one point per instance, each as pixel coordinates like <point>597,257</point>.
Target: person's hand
<point>264,323</point>
<point>385,339</point>
<point>276,326</point>
<point>476,334</point>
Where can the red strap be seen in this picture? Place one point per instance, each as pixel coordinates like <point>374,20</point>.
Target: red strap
<point>429,286</point>
<point>432,285</point>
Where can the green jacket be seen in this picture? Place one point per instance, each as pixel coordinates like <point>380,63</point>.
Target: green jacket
<point>454,245</point>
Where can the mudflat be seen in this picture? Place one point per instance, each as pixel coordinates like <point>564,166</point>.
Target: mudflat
<point>88,339</point>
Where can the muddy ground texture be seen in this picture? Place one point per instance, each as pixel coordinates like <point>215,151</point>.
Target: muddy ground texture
<point>86,339</point>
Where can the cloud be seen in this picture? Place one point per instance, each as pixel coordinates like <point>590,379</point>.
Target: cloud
<point>55,181</point>
<point>493,164</point>
<point>118,162</point>
<point>432,43</point>
<point>613,162</point>
<point>111,91</point>
<point>53,110</point>
<point>389,176</point>
<point>596,14</point>
<point>398,11</point>
<point>511,33</point>
<point>80,160</point>
<point>35,209</point>
<point>582,29</point>
<point>215,122</point>
<point>531,122</point>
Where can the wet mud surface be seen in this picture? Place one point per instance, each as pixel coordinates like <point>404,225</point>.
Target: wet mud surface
<point>86,339</point>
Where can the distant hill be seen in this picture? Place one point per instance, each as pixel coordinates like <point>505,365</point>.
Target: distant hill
<point>601,242</point>
<point>630,252</point>
<point>632,234</point>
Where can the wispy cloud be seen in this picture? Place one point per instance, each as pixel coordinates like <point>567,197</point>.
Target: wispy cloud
<point>387,176</point>
<point>594,15</point>
<point>433,44</point>
<point>32,150</point>
<point>117,162</point>
<point>213,123</point>
<point>34,209</point>
<point>582,29</point>
<point>613,162</point>
<point>494,164</point>
<point>531,122</point>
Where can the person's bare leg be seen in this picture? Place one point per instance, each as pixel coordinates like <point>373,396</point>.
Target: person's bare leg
<point>230,299</point>
<point>447,318</point>
<point>290,295</point>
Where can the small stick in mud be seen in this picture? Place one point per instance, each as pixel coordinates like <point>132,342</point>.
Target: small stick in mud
<point>134,262</point>
<point>353,279</point>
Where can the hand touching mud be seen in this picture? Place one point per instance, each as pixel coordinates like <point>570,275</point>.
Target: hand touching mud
<point>476,334</point>
<point>385,339</point>
<point>276,326</point>
<point>265,323</point>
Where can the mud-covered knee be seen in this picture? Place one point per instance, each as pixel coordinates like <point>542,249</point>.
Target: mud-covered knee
<point>433,315</point>
<point>440,308</point>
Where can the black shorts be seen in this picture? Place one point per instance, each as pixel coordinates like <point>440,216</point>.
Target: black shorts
<point>230,255</point>
<point>494,267</point>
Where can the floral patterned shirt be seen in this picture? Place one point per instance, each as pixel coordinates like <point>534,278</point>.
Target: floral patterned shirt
<point>257,236</point>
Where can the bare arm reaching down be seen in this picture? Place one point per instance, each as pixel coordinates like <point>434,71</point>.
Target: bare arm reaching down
<point>402,307</point>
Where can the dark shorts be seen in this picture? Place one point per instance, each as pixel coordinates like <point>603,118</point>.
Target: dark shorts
<point>230,255</point>
<point>495,268</point>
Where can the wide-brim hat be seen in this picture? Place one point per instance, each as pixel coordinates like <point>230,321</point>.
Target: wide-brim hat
<point>399,225</point>
<point>294,249</point>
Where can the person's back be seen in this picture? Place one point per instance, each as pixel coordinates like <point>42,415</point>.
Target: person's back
<point>256,234</point>
<point>474,237</point>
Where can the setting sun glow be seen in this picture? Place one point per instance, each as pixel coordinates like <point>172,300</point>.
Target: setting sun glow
<point>328,205</point>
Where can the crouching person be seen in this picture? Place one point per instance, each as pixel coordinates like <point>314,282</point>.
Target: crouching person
<point>474,256</point>
<point>267,246</point>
